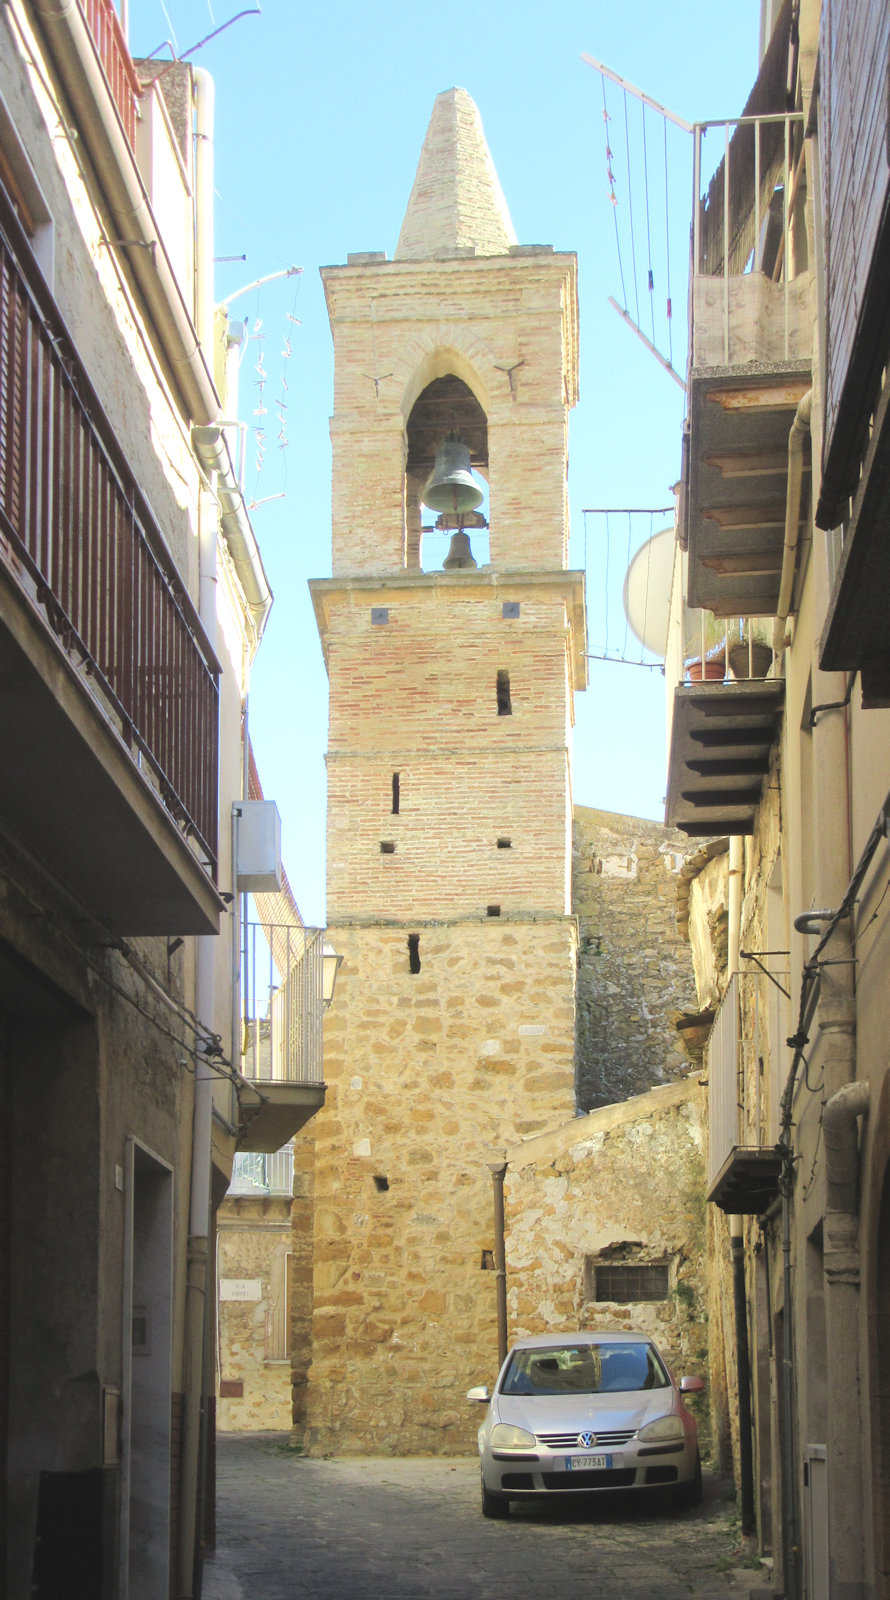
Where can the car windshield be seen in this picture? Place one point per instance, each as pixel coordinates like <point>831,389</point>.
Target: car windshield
<point>601,1368</point>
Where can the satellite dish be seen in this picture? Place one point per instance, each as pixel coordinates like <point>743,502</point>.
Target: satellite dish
<point>647,591</point>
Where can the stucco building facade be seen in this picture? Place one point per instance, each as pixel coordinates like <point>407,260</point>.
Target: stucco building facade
<point>783,519</point>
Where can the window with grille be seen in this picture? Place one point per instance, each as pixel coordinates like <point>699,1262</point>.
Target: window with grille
<point>623,1283</point>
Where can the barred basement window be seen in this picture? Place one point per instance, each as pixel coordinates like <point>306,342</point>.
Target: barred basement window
<point>627,1285</point>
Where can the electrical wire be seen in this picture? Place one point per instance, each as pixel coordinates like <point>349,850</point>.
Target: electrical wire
<point>667,247</point>
<point>651,278</point>
<point>612,195</point>
<point>630,211</point>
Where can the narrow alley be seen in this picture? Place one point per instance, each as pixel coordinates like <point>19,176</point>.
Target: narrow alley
<point>410,1528</point>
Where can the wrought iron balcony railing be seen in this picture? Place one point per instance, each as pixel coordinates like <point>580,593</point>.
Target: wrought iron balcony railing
<point>749,1028</point>
<point>78,538</point>
<point>282,1003</point>
<point>123,81</point>
<point>749,293</point>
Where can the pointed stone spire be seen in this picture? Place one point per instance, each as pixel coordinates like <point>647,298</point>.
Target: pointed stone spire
<point>456,203</point>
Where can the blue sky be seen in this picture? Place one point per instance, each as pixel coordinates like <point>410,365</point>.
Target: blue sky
<point>321,113</point>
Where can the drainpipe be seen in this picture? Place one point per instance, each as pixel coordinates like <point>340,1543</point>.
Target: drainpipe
<point>69,43</point>
<point>199,1281</point>
<point>743,1375</point>
<point>841,1262</point>
<point>800,428</point>
<point>736,1225</point>
<point>498,1173</point>
<point>213,453</point>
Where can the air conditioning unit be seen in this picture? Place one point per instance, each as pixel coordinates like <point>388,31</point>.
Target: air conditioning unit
<point>258,835</point>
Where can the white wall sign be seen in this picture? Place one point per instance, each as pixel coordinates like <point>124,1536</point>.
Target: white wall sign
<point>240,1288</point>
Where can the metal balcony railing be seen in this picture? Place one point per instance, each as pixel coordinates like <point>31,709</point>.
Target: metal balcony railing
<point>748,1031</point>
<point>117,63</point>
<point>84,548</point>
<point>259,1175</point>
<point>281,1003</point>
<point>748,295</point>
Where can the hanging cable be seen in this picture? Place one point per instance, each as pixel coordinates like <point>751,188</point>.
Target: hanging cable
<point>667,247</point>
<point>651,275</point>
<point>608,541</point>
<point>612,195</point>
<point>630,212</point>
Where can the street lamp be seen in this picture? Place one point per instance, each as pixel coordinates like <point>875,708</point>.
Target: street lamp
<point>330,966</point>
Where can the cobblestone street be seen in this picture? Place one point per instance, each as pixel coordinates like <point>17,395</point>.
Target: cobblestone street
<point>408,1529</point>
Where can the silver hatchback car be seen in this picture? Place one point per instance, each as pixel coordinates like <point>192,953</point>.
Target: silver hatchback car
<point>581,1412</point>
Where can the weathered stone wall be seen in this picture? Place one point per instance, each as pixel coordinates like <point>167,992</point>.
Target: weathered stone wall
<point>254,1242</point>
<point>624,1184</point>
<point>430,1076</point>
<point>634,968</point>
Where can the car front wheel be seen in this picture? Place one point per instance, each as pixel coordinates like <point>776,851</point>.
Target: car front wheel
<point>494,1505</point>
<point>690,1494</point>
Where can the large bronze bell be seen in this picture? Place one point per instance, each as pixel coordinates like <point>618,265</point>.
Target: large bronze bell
<point>451,485</point>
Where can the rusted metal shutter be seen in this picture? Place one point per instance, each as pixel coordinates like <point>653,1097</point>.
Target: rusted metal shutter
<point>854,133</point>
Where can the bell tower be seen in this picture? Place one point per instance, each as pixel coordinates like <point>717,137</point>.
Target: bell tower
<point>452,678</point>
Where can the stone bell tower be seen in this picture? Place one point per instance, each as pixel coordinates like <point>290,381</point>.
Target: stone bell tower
<point>449,804</point>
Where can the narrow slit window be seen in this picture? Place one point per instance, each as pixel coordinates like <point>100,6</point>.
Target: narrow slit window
<point>414,952</point>
<point>505,705</point>
<point>395,794</point>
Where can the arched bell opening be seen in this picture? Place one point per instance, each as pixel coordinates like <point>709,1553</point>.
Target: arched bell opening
<point>445,412</point>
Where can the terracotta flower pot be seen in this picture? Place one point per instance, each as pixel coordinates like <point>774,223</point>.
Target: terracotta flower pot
<point>712,670</point>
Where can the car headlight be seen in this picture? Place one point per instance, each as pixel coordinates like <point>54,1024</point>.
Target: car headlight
<point>505,1437</point>
<point>663,1428</point>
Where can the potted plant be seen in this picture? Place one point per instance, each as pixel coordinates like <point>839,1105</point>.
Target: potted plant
<point>749,649</point>
<point>706,643</point>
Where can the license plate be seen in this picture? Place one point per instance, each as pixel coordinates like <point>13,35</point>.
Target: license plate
<point>590,1463</point>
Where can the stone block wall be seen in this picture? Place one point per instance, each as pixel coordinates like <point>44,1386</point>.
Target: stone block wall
<point>254,1239</point>
<point>623,1185</point>
<point>635,970</point>
<point>430,1076</point>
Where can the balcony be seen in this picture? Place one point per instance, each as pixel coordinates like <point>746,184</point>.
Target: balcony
<point>721,737</point>
<point>256,1176</point>
<point>117,64</point>
<point>282,1009</point>
<point>109,707</point>
<point>750,359</point>
<point>744,1162</point>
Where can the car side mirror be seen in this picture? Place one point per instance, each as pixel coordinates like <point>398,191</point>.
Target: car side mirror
<point>480,1393</point>
<point>691,1385</point>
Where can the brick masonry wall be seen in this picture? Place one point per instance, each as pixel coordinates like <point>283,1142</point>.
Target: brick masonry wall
<point>407,323</point>
<point>430,1076</point>
<point>417,695</point>
<point>623,1184</point>
<point>634,968</point>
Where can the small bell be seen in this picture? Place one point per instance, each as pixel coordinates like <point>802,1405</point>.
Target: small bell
<point>460,554</point>
<point>451,485</point>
